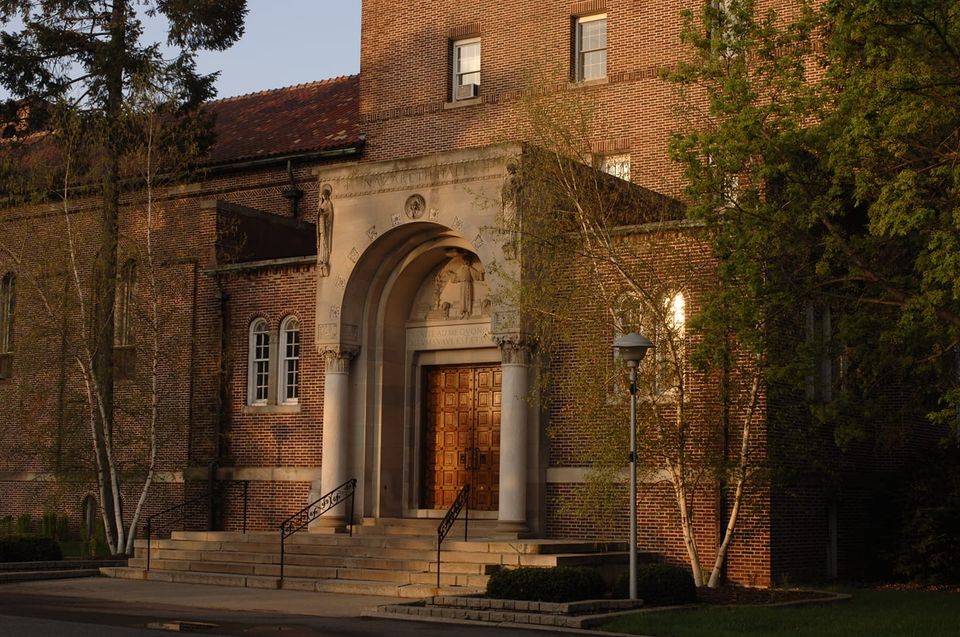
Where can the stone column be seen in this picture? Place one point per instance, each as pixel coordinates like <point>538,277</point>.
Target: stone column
<point>334,466</point>
<point>516,354</point>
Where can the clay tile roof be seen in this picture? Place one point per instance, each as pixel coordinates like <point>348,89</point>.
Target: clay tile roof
<point>298,119</point>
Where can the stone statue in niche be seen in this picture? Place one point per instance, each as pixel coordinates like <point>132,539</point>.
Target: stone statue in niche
<point>325,229</point>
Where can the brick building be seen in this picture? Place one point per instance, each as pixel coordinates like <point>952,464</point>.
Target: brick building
<point>328,276</point>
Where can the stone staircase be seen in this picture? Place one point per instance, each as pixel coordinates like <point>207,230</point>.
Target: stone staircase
<point>389,557</point>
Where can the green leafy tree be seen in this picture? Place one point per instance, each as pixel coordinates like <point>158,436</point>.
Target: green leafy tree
<point>820,149</point>
<point>86,59</point>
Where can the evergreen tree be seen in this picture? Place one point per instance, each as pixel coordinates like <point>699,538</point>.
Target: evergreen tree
<point>87,60</point>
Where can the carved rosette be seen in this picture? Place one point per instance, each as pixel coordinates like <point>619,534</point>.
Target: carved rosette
<point>515,350</point>
<point>337,359</point>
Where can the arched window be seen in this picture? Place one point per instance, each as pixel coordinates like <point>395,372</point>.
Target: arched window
<point>124,331</point>
<point>665,327</point>
<point>258,373</point>
<point>124,324</point>
<point>670,335</point>
<point>289,392</point>
<point>89,515</point>
<point>8,300</point>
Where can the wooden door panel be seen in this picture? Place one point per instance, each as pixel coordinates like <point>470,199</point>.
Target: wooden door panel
<point>463,435</point>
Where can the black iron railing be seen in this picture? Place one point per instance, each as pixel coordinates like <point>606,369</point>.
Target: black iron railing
<point>314,510</point>
<point>450,518</point>
<point>178,513</point>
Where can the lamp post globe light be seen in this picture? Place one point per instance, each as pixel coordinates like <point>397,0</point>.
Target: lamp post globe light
<point>632,348</point>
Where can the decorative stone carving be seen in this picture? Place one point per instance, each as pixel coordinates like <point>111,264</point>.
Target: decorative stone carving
<point>415,207</point>
<point>515,350</point>
<point>325,229</point>
<point>372,233</point>
<point>459,291</point>
<point>327,330</point>
<point>337,359</point>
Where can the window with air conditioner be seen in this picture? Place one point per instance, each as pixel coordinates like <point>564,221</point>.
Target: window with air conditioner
<point>466,69</point>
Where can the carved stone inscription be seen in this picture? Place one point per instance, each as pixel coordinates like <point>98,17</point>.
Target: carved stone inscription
<point>449,336</point>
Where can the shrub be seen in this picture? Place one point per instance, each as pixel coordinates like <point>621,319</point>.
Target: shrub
<point>24,525</point>
<point>557,584</point>
<point>659,585</point>
<point>6,526</point>
<point>29,549</point>
<point>930,535</point>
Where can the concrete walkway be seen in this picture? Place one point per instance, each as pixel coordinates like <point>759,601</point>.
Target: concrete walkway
<point>206,597</point>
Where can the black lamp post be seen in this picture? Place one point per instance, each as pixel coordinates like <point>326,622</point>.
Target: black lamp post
<point>632,348</point>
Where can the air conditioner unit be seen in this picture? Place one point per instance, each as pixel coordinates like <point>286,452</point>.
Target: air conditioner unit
<point>467,91</point>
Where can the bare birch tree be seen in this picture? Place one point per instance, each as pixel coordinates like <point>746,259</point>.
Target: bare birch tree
<point>595,262</point>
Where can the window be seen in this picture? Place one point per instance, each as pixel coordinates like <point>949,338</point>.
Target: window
<point>667,330</point>
<point>590,42</point>
<point>258,391</point>
<point>89,512</point>
<point>124,330</point>
<point>8,299</point>
<point>825,367</point>
<point>616,165</point>
<point>466,69</point>
<point>290,367</point>
<point>723,23</point>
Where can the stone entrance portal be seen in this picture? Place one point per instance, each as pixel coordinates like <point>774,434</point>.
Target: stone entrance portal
<point>462,436</point>
<point>418,339</point>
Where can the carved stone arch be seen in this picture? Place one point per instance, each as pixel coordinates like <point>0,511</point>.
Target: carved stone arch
<point>343,303</point>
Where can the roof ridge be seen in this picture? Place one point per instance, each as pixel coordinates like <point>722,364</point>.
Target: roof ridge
<point>270,91</point>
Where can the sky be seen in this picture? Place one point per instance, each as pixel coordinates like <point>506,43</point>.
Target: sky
<point>289,42</point>
<point>285,42</point>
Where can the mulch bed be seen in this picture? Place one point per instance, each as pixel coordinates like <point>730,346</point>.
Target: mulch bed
<point>735,595</point>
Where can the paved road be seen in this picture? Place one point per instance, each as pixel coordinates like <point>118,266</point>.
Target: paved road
<point>29,614</point>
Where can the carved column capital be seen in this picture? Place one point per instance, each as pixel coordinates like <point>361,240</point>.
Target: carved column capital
<point>515,349</point>
<point>337,358</point>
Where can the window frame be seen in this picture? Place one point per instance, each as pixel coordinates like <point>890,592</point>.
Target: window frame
<point>125,334</point>
<point>632,314</point>
<point>579,51</point>
<point>455,72</point>
<point>8,305</point>
<point>290,325</point>
<point>8,308</point>
<point>258,328</point>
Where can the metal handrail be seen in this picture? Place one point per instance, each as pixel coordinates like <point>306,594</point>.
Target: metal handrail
<point>450,518</point>
<point>312,511</point>
<point>182,509</point>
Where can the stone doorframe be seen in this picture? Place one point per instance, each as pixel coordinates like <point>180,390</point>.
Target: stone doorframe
<point>390,224</point>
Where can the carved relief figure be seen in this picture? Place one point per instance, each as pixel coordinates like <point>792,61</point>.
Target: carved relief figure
<point>465,274</point>
<point>325,229</point>
<point>457,290</point>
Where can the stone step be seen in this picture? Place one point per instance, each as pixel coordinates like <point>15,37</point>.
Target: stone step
<point>356,587</point>
<point>574,615</point>
<point>427,528</point>
<point>37,575</point>
<point>59,565</point>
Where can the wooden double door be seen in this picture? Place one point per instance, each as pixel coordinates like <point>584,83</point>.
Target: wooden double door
<point>462,435</point>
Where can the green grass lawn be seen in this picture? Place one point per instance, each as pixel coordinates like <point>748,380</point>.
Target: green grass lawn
<point>870,613</point>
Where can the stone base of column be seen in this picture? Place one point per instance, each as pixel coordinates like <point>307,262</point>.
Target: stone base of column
<point>517,529</point>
